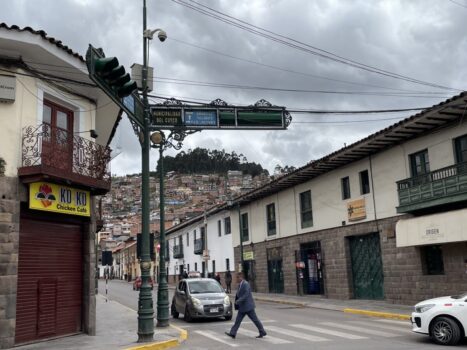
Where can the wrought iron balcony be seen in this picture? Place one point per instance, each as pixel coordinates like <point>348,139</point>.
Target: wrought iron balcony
<point>198,246</point>
<point>444,186</point>
<point>54,153</point>
<point>178,252</point>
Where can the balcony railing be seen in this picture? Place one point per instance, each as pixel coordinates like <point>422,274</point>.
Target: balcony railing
<point>58,154</point>
<point>198,246</point>
<point>178,252</point>
<point>439,187</point>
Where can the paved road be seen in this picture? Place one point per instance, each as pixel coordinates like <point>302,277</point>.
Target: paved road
<point>290,327</point>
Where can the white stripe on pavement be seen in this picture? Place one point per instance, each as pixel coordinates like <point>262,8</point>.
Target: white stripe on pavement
<point>294,334</point>
<point>360,329</point>
<point>212,335</point>
<point>328,331</point>
<point>268,338</point>
<point>403,329</point>
<point>399,323</point>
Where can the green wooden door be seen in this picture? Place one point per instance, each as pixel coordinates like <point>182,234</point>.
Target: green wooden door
<point>275,276</point>
<point>367,267</point>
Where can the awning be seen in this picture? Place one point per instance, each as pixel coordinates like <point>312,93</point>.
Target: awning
<point>432,229</point>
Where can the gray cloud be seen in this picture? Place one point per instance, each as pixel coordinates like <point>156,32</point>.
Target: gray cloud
<point>424,39</point>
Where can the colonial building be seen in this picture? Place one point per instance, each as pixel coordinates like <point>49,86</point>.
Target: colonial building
<point>202,244</point>
<point>383,218</point>
<point>55,126</point>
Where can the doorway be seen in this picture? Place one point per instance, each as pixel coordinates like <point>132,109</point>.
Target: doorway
<point>310,272</point>
<point>367,266</point>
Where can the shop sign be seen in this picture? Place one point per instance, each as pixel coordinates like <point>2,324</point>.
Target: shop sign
<point>356,210</point>
<point>7,88</point>
<point>59,199</point>
<point>248,256</point>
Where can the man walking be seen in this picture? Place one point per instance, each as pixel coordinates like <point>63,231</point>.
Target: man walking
<point>245,305</point>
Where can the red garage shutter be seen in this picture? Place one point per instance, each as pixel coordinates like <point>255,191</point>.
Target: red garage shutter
<point>50,280</point>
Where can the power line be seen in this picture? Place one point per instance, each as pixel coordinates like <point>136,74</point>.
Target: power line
<point>310,110</point>
<point>455,2</point>
<point>265,88</point>
<point>288,70</point>
<point>290,42</point>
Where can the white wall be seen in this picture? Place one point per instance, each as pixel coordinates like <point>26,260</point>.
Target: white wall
<point>329,210</point>
<point>26,110</point>
<point>220,248</point>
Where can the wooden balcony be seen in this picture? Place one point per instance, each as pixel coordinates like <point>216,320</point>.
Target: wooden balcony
<point>50,153</point>
<point>178,252</point>
<point>441,187</point>
<point>199,246</point>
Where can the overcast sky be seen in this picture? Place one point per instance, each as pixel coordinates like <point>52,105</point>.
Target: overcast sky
<point>423,40</point>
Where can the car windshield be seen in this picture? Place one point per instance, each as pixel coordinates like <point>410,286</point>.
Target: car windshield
<point>460,296</point>
<point>201,287</point>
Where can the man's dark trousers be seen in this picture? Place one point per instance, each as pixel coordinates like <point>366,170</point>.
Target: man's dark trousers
<point>252,315</point>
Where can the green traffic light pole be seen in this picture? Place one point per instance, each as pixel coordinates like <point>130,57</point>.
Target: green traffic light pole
<point>145,302</point>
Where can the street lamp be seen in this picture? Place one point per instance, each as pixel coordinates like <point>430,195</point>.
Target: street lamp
<point>158,141</point>
<point>145,302</point>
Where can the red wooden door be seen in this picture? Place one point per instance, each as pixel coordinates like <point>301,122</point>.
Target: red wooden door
<point>50,280</point>
<point>57,140</point>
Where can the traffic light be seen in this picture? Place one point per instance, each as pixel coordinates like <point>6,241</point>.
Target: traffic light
<point>114,74</point>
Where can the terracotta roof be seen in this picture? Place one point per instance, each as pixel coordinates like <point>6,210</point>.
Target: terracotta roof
<point>43,35</point>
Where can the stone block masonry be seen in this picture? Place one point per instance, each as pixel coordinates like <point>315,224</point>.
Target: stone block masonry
<point>404,279</point>
<point>9,238</point>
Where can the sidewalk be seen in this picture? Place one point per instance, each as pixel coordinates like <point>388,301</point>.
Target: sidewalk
<point>376,308</point>
<point>116,329</point>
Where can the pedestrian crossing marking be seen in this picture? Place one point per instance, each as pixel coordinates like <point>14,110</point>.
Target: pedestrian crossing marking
<point>328,331</point>
<point>291,333</point>
<point>402,329</point>
<point>360,329</point>
<point>268,338</point>
<point>249,322</point>
<point>213,336</point>
<point>400,323</point>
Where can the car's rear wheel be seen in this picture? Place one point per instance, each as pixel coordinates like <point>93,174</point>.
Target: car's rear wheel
<point>187,316</point>
<point>445,331</point>
<point>174,311</point>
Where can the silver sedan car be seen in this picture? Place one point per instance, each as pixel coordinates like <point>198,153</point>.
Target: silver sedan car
<point>199,298</point>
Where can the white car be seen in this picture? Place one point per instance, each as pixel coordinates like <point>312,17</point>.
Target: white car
<point>444,319</point>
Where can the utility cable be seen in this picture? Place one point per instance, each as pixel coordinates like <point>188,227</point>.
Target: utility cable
<point>300,45</point>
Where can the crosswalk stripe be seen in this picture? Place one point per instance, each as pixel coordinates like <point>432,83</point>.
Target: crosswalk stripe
<point>400,323</point>
<point>328,331</point>
<point>403,329</point>
<point>249,322</point>
<point>360,329</point>
<point>268,338</point>
<point>212,335</point>
<point>295,334</point>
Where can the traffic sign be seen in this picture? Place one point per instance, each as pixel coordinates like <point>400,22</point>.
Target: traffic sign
<point>208,117</point>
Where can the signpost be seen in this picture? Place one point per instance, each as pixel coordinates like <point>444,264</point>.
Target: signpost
<point>206,117</point>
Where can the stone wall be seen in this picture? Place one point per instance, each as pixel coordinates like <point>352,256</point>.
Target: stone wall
<point>404,279</point>
<point>9,239</point>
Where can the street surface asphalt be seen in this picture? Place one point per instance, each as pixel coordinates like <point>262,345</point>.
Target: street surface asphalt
<point>289,327</point>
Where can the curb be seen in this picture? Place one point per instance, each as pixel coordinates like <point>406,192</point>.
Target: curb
<point>286,302</point>
<point>369,313</point>
<point>166,344</point>
<point>378,314</point>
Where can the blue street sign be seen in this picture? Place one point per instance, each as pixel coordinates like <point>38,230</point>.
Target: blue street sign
<point>200,117</point>
<point>129,102</point>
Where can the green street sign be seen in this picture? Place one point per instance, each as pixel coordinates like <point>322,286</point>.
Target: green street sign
<point>115,82</point>
<point>200,117</point>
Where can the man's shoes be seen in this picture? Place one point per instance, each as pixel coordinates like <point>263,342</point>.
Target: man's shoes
<point>230,335</point>
<point>261,335</point>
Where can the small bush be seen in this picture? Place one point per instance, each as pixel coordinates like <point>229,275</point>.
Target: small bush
<point>2,167</point>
